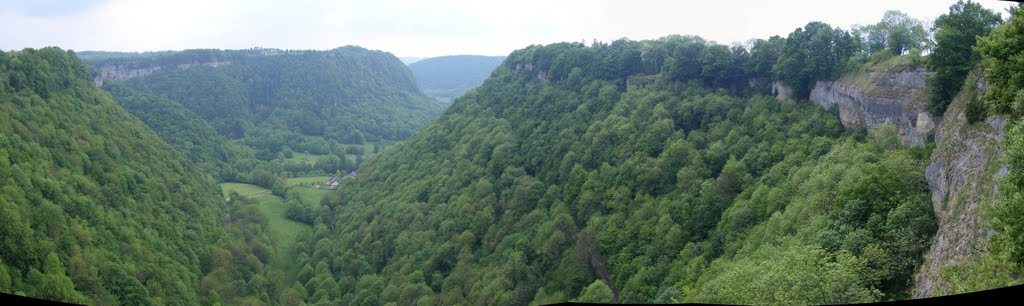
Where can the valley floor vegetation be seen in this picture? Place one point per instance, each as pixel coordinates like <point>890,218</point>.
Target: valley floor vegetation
<point>655,171</point>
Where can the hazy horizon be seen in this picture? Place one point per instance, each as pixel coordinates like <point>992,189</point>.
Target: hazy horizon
<point>410,29</point>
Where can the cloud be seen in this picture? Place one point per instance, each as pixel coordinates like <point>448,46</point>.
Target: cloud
<point>417,28</point>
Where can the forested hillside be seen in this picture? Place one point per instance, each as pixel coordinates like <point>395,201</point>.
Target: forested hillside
<point>448,77</point>
<point>1001,263</point>
<point>186,132</point>
<point>636,171</point>
<point>271,99</point>
<point>657,171</point>
<point>95,207</point>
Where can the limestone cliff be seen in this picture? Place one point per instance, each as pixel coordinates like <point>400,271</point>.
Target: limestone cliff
<point>868,98</point>
<point>121,72</point>
<point>963,168</point>
<point>962,174</point>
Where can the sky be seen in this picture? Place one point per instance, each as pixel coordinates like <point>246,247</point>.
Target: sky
<point>419,28</point>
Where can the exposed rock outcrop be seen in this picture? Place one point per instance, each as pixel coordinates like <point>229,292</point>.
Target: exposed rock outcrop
<point>121,72</point>
<point>869,98</point>
<point>781,91</point>
<point>962,174</point>
<point>962,171</point>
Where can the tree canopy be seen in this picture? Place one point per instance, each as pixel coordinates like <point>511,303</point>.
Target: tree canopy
<point>954,55</point>
<point>635,169</point>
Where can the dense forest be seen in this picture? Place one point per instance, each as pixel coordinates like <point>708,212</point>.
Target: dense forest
<point>653,171</point>
<point>96,208</point>
<point>249,117</point>
<point>1000,60</point>
<point>639,171</point>
<point>304,100</point>
<point>449,77</point>
<point>185,131</point>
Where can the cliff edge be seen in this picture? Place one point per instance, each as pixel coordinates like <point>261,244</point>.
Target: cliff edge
<point>874,96</point>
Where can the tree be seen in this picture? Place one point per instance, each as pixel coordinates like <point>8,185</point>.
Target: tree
<point>717,64</point>
<point>596,292</point>
<point>813,53</point>
<point>954,55</point>
<point>903,32</point>
<point>1001,53</point>
<point>1003,67</point>
<point>127,289</point>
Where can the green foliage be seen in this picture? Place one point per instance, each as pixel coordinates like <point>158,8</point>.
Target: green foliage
<point>897,33</point>
<point>1010,214</point>
<point>186,132</point>
<point>1003,66</point>
<point>813,53</point>
<point>304,100</point>
<point>96,209</point>
<point>1000,266</point>
<point>87,189</point>
<point>596,292</point>
<point>797,275</point>
<point>954,55</point>
<point>1003,70</point>
<point>553,174</point>
<point>763,55</point>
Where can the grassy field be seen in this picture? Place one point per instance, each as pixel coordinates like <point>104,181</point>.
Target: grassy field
<point>309,195</point>
<point>245,190</point>
<point>282,230</point>
<point>312,196</point>
<point>309,158</point>
<point>306,180</point>
<point>312,158</point>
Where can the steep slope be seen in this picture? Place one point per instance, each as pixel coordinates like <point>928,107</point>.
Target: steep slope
<point>962,173</point>
<point>448,77</point>
<point>95,207</point>
<point>304,100</point>
<point>890,92</point>
<point>184,131</point>
<point>980,188</point>
<point>556,181</point>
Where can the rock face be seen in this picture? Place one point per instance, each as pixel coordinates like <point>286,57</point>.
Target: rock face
<point>962,174</point>
<point>962,171</point>
<point>870,98</point>
<point>123,72</point>
<point>781,91</point>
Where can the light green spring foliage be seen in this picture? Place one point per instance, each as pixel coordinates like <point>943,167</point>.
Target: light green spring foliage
<point>255,118</point>
<point>855,222</point>
<point>647,170</point>
<point>555,173</point>
<point>95,208</point>
<point>596,292</point>
<point>1003,69</point>
<point>185,131</point>
<point>306,100</point>
<point>88,190</point>
<point>956,34</point>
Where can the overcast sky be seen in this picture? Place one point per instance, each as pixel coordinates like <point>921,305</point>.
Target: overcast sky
<point>418,28</point>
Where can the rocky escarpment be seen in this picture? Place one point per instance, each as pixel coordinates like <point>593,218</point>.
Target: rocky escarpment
<point>121,72</point>
<point>962,171</point>
<point>962,174</point>
<point>868,98</point>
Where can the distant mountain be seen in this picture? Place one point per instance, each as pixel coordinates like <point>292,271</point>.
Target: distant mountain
<point>275,99</point>
<point>448,77</point>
